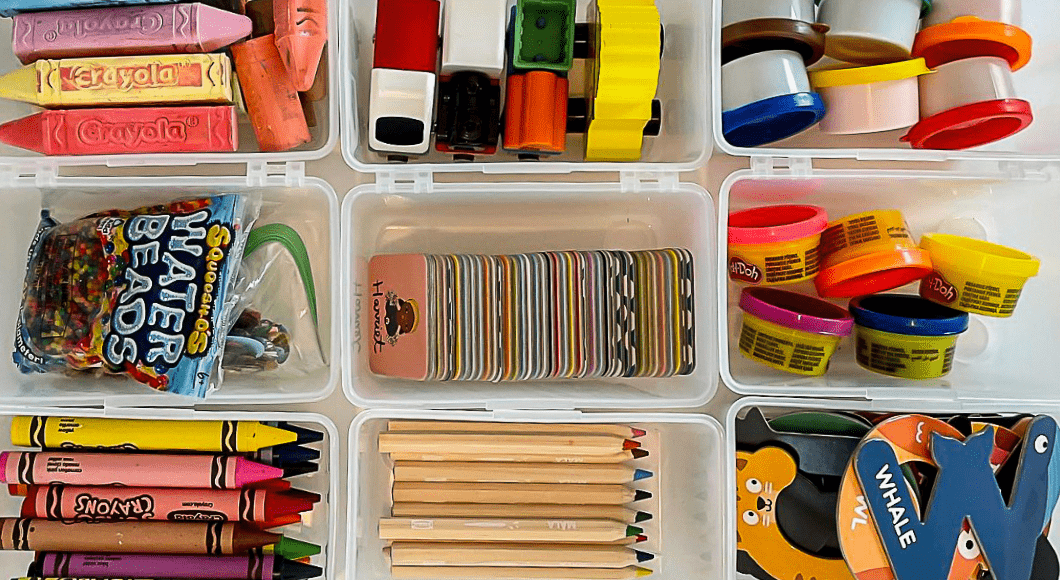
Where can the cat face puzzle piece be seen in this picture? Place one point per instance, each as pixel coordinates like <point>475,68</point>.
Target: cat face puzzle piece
<point>817,454</point>
<point>964,491</point>
<point>760,478</point>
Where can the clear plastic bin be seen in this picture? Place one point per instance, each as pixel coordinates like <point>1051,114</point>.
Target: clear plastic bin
<point>684,142</point>
<point>319,526</point>
<point>685,532</point>
<point>310,208</point>
<point>493,218</point>
<point>1011,359</point>
<point>1034,83</point>
<point>324,135</point>
<point>772,407</point>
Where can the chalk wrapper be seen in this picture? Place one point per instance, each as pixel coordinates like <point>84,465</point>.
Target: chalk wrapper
<point>143,293</point>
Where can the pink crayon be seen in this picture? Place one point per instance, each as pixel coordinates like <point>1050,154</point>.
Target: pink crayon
<point>301,32</point>
<point>125,130</point>
<point>126,30</point>
<point>132,469</point>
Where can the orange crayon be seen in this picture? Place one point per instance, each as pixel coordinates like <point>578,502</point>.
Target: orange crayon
<point>301,32</point>
<point>271,98</point>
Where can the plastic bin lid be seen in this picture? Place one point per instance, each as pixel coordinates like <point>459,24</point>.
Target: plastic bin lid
<point>968,37</point>
<point>906,314</point>
<point>971,125</point>
<point>864,75</point>
<point>772,119</point>
<point>767,34</point>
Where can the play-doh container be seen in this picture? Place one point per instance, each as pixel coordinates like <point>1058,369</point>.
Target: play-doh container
<point>870,99</point>
<point>968,103</point>
<point>976,276</point>
<point>750,26</point>
<point>791,332</point>
<point>874,272</point>
<point>766,97</point>
<point>865,233</point>
<point>871,31</point>
<point>775,244</point>
<point>905,336</point>
<point>959,29</point>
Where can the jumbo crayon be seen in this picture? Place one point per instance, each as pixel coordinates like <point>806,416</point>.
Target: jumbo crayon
<point>146,435</point>
<point>132,469</point>
<point>122,80</point>
<point>12,7</point>
<point>292,549</point>
<point>254,565</point>
<point>283,455</point>
<point>125,30</point>
<point>207,538</point>
<point>125,130</point>
<point>61,502</point>
<point>271,98</point>
<point>301,28</point>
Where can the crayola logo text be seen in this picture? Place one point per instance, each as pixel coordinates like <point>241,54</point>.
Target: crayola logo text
<point>741,270</point>
<point>104,23</point>
<point>87,506</point>
<point>98,132</point>
<point>197,516</point>
<point>125,78</point>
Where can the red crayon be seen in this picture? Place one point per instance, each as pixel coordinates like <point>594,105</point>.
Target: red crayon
<point>132,469</point>
<point>125,130</point>
<point>270,484</point>
<point>301,31</point>
<point>60,502</point>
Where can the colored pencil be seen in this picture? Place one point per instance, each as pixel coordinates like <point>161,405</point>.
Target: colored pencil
<point>137,537</point>
<point>415,426</point>
<point>530,511</point>
<point>520,473</point>
<point>505,530</point>
<point>528,457</point>
<point>99,433</point>
<point>504,443</point>
<point>498,573</point>
<point>578,494</point>
<point>132,469</point>
<point>516,555</point>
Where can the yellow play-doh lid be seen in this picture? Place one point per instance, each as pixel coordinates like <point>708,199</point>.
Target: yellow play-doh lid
<point>864,75</point>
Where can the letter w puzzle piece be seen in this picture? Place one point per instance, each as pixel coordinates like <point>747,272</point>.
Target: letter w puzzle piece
<point>965,489</point>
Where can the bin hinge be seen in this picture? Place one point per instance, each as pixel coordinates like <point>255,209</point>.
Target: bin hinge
<point>405,181</point>
<point>647,181</point>
<point>1030,170</point>
<point>43,175</point>
<point>763,165</point>
<point>290,174</point>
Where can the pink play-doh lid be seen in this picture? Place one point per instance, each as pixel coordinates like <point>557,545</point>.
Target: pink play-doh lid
<point>796,311</point>
<point>776,223</point>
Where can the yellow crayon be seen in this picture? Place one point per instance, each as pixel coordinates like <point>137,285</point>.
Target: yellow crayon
<point>122,80</point>
<point>146,435</point>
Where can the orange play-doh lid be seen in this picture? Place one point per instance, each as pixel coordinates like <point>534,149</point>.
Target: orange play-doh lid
<point>968,37</point>
<point>873,273</point>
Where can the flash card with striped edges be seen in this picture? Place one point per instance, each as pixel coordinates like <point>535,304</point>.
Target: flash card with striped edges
<point>536,316</point>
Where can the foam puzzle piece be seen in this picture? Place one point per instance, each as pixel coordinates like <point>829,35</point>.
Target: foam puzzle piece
<point>816,454</point>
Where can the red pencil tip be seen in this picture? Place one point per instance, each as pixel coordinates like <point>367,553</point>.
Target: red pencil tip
<point>638,432</point>
<point>629,444</point>
<point>641,538</point>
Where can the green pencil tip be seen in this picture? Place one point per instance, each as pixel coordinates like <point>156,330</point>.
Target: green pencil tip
<point>633,531</point>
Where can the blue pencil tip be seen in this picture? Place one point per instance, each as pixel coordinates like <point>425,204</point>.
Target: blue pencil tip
<point>641,474</point>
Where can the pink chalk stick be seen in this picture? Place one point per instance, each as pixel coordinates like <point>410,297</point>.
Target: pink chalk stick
<point>125,30</point>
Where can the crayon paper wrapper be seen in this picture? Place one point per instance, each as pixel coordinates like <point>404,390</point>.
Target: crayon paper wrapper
<point>393,314</point>
<point>145,293</point>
